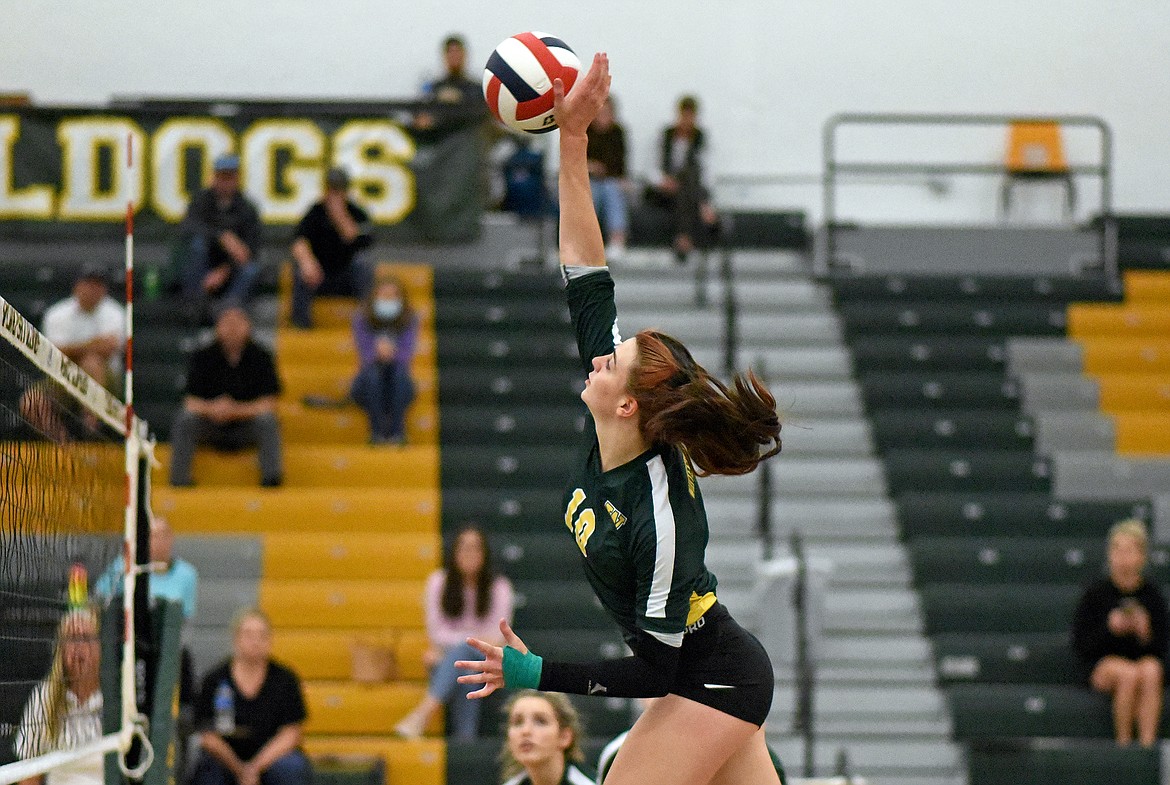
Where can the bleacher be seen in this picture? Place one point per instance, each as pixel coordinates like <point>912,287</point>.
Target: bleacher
<point>998,561</point>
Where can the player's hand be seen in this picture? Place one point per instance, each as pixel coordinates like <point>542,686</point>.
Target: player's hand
<point>575,111</point>
<point>489,671</point>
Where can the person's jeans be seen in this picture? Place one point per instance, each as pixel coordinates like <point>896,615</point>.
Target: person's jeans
<point>384,391</point>
<point>291,769</point>
<point>354,281</point>
<point>610,202</point>
<point>463,714</point>
<point>190,429</point>
<point>198,264</point>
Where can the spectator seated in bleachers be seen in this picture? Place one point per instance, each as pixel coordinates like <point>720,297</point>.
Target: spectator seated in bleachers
<point>65,710</point>
<point>90,326</point>
<point>1120,634</point>
<point>464,599</point>
<point>607,178</point>
<point>385,333</point>
<point>327,248</point>
<point>679,184</point>
<point>251,714</point>
<point>542,745</point>
<point>230,401</point>
<point>222,236</point>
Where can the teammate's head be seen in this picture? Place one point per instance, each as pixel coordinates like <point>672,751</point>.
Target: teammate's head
<point>79,645</point>
<point>541,728</point>
<point>1128,546</point>
<point>726,430</point>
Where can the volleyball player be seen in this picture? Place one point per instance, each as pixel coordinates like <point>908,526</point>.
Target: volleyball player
<point>636,513</point>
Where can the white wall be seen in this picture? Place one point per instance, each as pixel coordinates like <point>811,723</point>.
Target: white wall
<point>769,72</point>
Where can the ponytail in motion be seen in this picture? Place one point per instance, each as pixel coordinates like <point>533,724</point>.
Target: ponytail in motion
<point>725,430</point>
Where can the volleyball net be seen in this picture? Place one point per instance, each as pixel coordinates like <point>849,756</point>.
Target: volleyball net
<point>73,540</point>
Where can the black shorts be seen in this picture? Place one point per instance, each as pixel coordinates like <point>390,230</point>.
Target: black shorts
<point>723,666</point>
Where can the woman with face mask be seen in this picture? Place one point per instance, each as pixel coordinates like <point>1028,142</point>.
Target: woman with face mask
<point>385,332</point>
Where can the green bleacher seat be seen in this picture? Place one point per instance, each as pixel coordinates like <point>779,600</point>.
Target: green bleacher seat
<point>990,317</point>
<point>501,314</point>
<point>463,348</point>
<point>1017,560</point>
<point>49,279</point>
<point>537,556</point>
<point>161,342</point>
<point>472,467</point>
<point>477,386</point>
<point>1006,658</point>
<point>160,381</point>
<point>939,390</point>
<point>951,514</point>
<point>533,425</point>
<point>503,509</point>
<point>992,711</point>
<point>931,429</point>
<point>927,353</point>
<point>536,285</point>
<point>966,470</point>
<point>972,608</point>
<point>546,604</point>
<point>868,288</point>
<point>1075,762</point>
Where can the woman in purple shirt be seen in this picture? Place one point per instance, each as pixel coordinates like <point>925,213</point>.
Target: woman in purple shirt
<point>464,599</point>
<point>385,332</point>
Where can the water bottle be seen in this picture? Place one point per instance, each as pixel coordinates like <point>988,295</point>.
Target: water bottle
<point>151,283</point>
<point>225,709</point>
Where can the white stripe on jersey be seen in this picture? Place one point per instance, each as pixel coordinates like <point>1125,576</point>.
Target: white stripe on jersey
<point>664,532</point>
<point>617,336</point>
<point>517,779</point>
<point>574,776</point>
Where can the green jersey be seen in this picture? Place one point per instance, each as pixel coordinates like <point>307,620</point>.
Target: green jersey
<point>641,527</point>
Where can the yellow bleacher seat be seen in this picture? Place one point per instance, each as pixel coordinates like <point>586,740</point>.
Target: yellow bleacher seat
<point>1134,392</point>
<point>343,603</point>
<point>348,708</point>
<point>317,465</point>
<point>1125,355</point>
<point>326,654</point>
<point>1129,321</point>
<point>336,348</point>
<point>1147,286</point>
<point>346,555</point>
<point>333,381</point>
<point>416,762</point>
<point>250,509</point>
<point>337,312</point>
<point>1143,433</point>
<point>301,424</point>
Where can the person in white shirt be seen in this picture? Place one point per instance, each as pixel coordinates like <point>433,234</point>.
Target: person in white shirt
<point>65,710</point>
<point>89,327</point>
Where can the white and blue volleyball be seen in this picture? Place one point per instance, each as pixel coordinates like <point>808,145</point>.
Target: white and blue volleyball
<point>517,82</point>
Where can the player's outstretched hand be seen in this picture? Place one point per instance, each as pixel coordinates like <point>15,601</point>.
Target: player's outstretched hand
<point>490,671</point>
<point>575,111</point>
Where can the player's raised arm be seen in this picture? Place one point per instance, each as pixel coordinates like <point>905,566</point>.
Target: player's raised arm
<point>581,241</point>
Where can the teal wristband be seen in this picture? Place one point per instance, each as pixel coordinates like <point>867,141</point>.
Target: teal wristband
<point>521,671</point>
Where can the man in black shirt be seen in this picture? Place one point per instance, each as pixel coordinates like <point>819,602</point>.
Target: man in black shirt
<point>230,401</point>
<point>250,714</point>
<point>326,249</point>
<point>223,234</point>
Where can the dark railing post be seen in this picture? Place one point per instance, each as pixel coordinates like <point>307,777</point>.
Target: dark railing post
<point>805,670</point>
<point>730,313</point>
<point>764,491</point>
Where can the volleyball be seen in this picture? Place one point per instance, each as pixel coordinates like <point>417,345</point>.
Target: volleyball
<point>517,82</point>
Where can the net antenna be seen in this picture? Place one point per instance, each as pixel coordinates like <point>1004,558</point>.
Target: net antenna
<point>74,387</point>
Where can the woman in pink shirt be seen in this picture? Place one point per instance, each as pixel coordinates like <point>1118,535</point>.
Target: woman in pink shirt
<point>464,599</point>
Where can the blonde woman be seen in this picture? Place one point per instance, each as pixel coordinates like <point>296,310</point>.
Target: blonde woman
<point>1120,633</point>
<point>65,710</point>
<point>543,741</point>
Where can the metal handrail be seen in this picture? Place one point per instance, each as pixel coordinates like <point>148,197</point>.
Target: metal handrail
<point>804,711</point>
<point>730,310</point>
<point>834,168</point>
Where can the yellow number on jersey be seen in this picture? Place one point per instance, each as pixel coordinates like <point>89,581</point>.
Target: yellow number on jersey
<point>585,523</point>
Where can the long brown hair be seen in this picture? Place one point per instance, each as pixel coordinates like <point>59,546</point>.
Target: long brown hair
<point>567,717</point>
<point>725,430</point>
<point>452,597</point>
